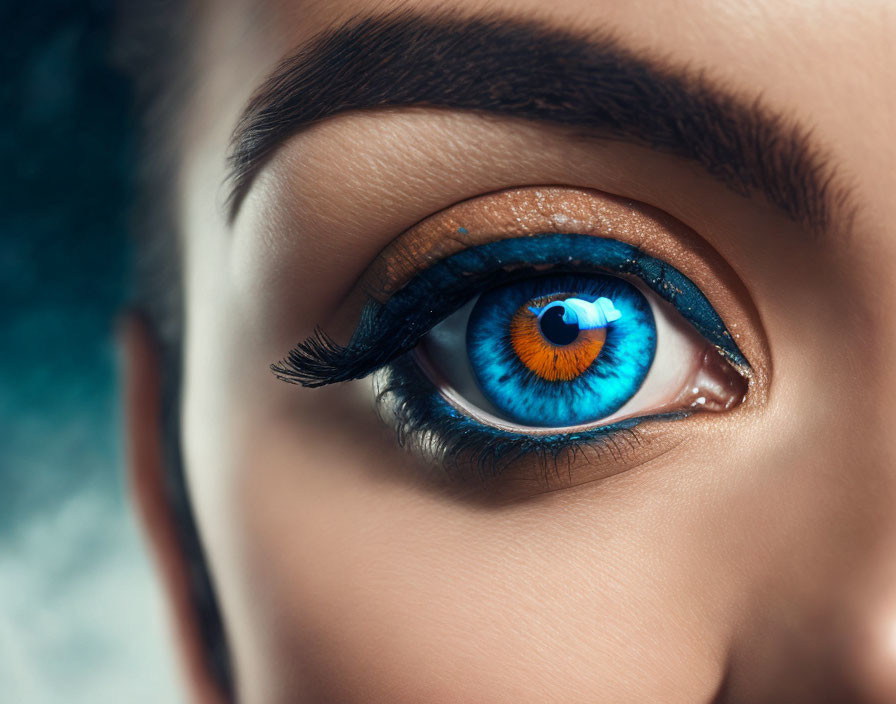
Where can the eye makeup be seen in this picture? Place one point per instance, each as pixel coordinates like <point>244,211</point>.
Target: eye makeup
<point>439,266</point>
<point>390,329</point>
<point>463,445</point>
<point>530,211</point>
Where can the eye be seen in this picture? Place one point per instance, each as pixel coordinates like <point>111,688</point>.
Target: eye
<point>573,350</point>
<point>533,346</point>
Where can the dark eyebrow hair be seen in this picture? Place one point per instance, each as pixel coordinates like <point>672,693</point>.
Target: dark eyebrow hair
<point>528,70</point>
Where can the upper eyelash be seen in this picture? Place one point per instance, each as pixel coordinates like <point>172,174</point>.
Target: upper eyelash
<point>388,330</point>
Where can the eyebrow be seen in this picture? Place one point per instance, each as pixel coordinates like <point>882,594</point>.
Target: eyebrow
<point>529,70</point>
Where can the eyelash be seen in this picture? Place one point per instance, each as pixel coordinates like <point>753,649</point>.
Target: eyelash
<point>388,330</point>
<point>388,333</point>
<point>426,422</point>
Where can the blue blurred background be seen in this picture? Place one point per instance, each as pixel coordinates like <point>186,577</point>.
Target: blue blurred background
<point>80,615</point>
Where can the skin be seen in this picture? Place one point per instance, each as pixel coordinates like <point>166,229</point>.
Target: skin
<point>745,556</point>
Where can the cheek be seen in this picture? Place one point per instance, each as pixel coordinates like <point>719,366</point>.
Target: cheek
<point>345,579</point>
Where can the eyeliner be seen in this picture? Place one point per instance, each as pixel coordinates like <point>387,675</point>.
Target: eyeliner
<point>388,330</point>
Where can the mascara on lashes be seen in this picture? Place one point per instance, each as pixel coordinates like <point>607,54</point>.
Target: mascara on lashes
<point>388,330</point>
<point>421,415</point>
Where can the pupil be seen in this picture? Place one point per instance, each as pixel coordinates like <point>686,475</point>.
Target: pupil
<point>555,330</point>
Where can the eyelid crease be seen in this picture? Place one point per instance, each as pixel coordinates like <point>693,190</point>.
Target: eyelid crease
<point>388,330</point>
<point>519,212</point>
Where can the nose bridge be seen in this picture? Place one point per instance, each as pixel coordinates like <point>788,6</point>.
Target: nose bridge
<point>864,623</point>
<point>834,644</point>
<point>867,634</point>
<point>856,648</point>
<point>823,629</point>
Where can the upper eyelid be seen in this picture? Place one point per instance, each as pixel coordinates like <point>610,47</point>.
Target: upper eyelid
<point>319,360</point>
<point>527,211</point>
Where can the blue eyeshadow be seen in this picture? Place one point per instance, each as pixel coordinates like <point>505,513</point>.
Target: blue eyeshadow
<point>388,330</point>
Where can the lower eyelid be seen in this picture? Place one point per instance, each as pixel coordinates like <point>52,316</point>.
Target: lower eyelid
<point>684,407</point>
<point>427,424</point>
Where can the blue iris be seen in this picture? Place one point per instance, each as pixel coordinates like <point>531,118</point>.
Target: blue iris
<point>612,379</point>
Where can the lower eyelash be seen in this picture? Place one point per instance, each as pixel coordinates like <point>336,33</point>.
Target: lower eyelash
<point>426,422</point>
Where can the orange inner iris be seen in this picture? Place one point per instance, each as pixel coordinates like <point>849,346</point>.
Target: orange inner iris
<point>549,361</point>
